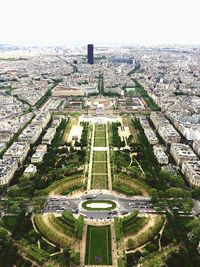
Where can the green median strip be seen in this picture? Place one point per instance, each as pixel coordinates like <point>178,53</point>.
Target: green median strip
<point>97,205</point>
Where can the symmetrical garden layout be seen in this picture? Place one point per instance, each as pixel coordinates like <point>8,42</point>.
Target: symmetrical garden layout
<point>100,241</point>
<point>98,246</point>
<point>99,172</point>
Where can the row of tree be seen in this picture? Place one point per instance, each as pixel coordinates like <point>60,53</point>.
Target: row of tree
<point>116,139</point>
<point>84,135</point>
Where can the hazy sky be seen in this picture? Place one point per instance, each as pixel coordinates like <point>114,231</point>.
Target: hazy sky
<point>99,21</point>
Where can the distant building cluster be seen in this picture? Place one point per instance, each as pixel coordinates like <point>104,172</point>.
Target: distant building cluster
<point>74,80</point>
<point>122,60</point>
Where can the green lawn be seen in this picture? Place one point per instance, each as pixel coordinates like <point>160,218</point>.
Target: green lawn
<point>100,136</point>
<point>99,156</point>
<point>100,127</point>
<point>99,181</point>
<point>100,142</point>
<point>98,246</point>
<point>99,171</point>
<point>99,167</point>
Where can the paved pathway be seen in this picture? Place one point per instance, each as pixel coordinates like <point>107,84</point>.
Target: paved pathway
<point>83,244</point>
<point>113,238</point>
<point>114,245</point>
<point>108,160</point>
<point>91,160</point>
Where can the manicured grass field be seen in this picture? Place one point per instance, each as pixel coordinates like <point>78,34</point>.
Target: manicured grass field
<point>99,156</point>
<point>100,142</point>
<point>99,167</point>
<point>98,246</point>
<point>100,136</point>
<point>100,133</point>
<point>99,170</point>
<point>99,181</point>
<point>100,127</point>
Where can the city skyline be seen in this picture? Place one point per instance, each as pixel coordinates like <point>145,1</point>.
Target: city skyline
<point>127,22</point>
<point>99,163</point>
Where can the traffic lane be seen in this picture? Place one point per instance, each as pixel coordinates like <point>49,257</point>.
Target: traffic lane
<point>61,202</point>
<point>60,206</point>
<point>134,204</point>
<point>71,204</point>
<point>133,200</point>
<point>98,196</point>
<point>61,199</point>
<point>83,197</point>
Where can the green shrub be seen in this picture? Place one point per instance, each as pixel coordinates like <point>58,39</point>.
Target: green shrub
<point>144,237</point>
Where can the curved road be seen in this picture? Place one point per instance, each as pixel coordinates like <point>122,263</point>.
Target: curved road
<point>125,205</point>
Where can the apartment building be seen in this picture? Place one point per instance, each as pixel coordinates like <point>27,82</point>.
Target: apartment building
<point>8,168</point>
<point>38,156</point>
<point>169,134</point>
<point>151,136</point>
<point>30,134</point>
<point>144,122</point>
<point>160,154</point>
<point>158,119</point>
<point>18,151</point>
<point>48,137</point>
<point>191,170</point>
<point>181,152</point>
<point>149,133</point>
<point>196,147</point>
<point>30,170</point>
<point>56,122</point>
<point>42,119</point>
<point>5,136</point>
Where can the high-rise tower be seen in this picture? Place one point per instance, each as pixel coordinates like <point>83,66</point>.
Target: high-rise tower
<point>90,54</point>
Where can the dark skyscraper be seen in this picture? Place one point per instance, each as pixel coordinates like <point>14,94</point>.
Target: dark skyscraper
<point>90,49</point>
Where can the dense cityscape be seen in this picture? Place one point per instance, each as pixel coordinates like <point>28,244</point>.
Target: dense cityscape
<point>100,150</point>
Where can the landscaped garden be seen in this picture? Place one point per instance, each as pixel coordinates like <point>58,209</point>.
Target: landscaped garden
<point>97,205</point>
<point>99,170</point>
<point>114,138</point>
<point>98,246</point>
<point>100,141</point>
<point>100,135</point>
<point>99,181</point>
<point>99,167</point>
<point>122,159</point>
<point>99,156</point>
